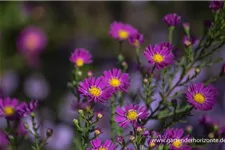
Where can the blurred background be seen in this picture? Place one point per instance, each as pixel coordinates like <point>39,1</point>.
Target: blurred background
<point>63,26</point>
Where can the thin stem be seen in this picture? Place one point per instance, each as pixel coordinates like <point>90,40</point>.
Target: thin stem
<point>36,135</point>
<point>171,34</point>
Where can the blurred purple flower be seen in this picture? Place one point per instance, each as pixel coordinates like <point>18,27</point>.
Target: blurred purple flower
<point>36,87</point>
<point>136,39</point>
<point>216,5</point>
<point>21,131</point>
<point>8,83</point>
<point>172,19</point>
<point>201,97</point>
<point>121,31</point>
<point>32,40</point>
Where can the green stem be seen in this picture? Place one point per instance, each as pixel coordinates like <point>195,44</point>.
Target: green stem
<point>171,29</point>
<point>36,135</point>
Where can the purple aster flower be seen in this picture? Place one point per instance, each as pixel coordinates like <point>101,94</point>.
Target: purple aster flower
<point>29,107</point>
<point>201,97</point>
<point>172,19</point>
<point>3,141</point>
<point>121,31</point>
<point>98,145</point>
<point>177,136</point>
<point>95,90</point>
<point>81,56</point>
<point>31,40</point>
<point>130,114</point>
<point>216,5</point>
<point>116,79</point>
<point>160,56</point>
<point>166,45</point>
<point>11,108</point>
<point>136,39</point>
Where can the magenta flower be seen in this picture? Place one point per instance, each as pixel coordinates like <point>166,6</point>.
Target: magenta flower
<point>31,40</point>
<point>4,142</point>
<point>177,136</point>
<point>121,31</point>
<point>80,56</point>
<point>216,5</point>
<point>136,39</point>
<point>172,19</point>
<point>201,97</point>
<point>158,55</point>
<point>29,107</point>
<point>116,79</point>
<point>95,90</point>
<point>11,108</point>
<point>97,145</point>
<point>130,114</point>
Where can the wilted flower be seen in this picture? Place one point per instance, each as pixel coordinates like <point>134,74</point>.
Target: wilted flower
<point>116,79</point>
<point>11,108</point>
<point>121,31</point>
<point>201,97</point>
<point>97,145</point>
<point>81,56</point>
<point>136,39</point>
<point>172,19</point>
<point>95,90</point>
<point>130,114</point>
<point>216,5</point>
<point>160,56</point>
<point>32,40</point>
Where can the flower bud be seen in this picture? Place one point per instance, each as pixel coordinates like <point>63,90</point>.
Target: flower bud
<point>99,115</point>
<point>132,138</point>
<point>197,70</point>
<point>120,57</point>
<point>81,112</point>
<point>32,115</point>
<point>189,129</point>
<point>97,132</point>
<point>79,73</point>
<point>145,80</point>
<point>49,132</point>
<point>75,121</point>
<point>124,64</point>
<point>186,28</point>
<point>89,74</point>
<point>26,125</point>
<point>139,129</point>
<point>211,135</point>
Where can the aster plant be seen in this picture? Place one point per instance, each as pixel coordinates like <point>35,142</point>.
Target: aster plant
<point>129,123</point>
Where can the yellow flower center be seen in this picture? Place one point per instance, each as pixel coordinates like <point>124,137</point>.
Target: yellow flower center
<point>152,144</point>
<point>79,62</point>
<point>114,82</point>
<point>123,34</point>
<point>136,43</point>
<point>8,110</point>
<point>199,98</point>
<point>158,58</point>
<point>177,143</point>
<point>95,91</point>
<point>102,148</point>
<point>132,115</point>
<point>31,41</point>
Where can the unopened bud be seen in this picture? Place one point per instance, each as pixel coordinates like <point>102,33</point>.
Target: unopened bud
<point>124,63</point>
<point>145,80</point>
<point>120,57</point>
<point>26,125</point>
<point>197,70</point>
<point>80,111</point>
<point>215,127</point>
<point>32,115</point>
<point>75,121</point>
<point>186,28</point>
<point>97,131</point>
<point>79,73</point>
<point>211,135</point>
<point>89,74</point>
<point>49,132</point>
<point>99,115</point>
<point>189,129</point>
<point>132,138</point>
<point>139,129</point>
